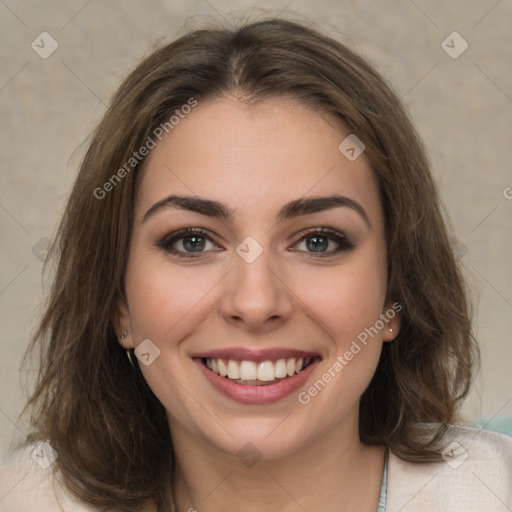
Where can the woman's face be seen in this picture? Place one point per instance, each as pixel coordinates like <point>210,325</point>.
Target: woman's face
<point>258,247</point>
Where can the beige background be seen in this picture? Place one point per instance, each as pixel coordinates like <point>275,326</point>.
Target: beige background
<point>462,107</point>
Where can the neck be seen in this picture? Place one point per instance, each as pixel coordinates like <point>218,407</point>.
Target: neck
<point>335,473</point>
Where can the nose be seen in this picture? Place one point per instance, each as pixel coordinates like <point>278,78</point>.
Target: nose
<point>256,297</point>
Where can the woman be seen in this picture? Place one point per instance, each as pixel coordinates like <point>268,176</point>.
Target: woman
<point>256,304</point>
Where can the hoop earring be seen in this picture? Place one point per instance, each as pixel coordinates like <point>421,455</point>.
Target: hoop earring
<point>129,355</point>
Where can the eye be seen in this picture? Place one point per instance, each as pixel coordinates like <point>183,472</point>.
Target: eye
<point>323,242</point>
<point>188,243</point>
<point>194,242</point>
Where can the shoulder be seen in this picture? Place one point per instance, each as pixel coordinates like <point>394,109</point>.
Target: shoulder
<point>28,483</point>
<point>475,475</point>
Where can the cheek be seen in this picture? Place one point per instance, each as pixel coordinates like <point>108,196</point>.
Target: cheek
<point>346,300</point>
<point>347,306</point>
<point>164,299</point>
<point>166,304</point>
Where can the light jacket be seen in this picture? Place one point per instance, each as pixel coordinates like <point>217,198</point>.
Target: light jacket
<point>475,476</point>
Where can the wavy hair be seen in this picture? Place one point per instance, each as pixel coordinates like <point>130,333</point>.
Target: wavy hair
<point>110,431</point>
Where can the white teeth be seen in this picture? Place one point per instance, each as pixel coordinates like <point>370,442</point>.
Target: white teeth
<point>223,369</point>
<point>233,370</point>
<point>281,369</point>
<point>265,371</point>
<point>248,370</point>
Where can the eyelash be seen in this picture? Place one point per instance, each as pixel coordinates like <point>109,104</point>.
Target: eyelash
<point>166,243</point>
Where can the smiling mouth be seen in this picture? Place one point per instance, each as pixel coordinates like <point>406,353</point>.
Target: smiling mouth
<point>251,373</point>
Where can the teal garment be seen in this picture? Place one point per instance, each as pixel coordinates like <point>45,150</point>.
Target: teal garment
<point>500,424</point>
<point>383,487</point>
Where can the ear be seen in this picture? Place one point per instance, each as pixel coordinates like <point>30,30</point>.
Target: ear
<point>120,318</point>
<point>393,319</point>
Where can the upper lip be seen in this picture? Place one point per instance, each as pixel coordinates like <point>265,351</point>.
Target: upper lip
<point>245,354</point>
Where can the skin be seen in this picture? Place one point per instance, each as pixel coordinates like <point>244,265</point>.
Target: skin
<point>254,160</point>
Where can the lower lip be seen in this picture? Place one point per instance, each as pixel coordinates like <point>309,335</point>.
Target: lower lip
<point>264,394</point>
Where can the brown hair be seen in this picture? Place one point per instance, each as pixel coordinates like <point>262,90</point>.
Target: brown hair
<point>99,414</point>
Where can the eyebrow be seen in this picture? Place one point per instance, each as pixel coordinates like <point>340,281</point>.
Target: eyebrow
<point>296,208</point>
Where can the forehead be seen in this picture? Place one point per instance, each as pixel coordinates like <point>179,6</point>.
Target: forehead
<point>254,157</point>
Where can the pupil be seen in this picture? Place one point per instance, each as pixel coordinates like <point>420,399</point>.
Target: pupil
<point>317,243</point>
<point>194,243</point>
